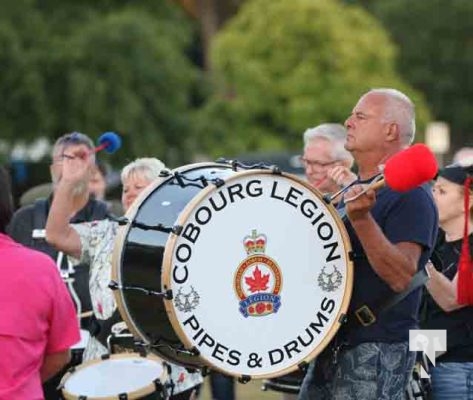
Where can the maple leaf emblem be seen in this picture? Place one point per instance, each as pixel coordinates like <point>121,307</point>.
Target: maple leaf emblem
<point>258,282</point>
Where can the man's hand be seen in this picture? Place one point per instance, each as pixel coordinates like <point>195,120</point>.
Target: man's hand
<point>359,204</point>
<point>77,166</point>
<point>341,175</point>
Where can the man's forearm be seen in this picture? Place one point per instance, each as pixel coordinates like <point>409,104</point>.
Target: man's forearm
<point>58,231</point>
<point>386,259</point>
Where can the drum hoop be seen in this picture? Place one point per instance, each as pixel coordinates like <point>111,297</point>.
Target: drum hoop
<point>122,234</point>
<point>145,390</point>
<point>167,267</point>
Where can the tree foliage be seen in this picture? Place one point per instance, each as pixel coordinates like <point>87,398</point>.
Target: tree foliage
<point>283,66</point>
<point>95,66</point>
<point>436,57</point>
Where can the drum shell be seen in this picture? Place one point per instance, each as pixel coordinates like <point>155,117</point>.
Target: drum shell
<point>138,259</point>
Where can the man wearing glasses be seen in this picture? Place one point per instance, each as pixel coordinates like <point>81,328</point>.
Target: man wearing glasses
<point>326,162</point>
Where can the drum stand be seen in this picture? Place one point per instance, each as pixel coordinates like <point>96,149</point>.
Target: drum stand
<point>67,277</point>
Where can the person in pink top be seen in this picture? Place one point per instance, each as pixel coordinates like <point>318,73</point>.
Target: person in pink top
<point>38,322</point>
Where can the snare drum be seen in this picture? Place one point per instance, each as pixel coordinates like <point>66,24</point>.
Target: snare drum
<point>254,264</point>
<point>129,376</point>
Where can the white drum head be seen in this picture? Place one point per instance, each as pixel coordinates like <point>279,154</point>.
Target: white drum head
<point>260,274</point>
<point>129,374</point>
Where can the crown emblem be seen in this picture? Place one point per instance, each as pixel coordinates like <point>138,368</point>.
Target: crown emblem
<point>254,243</point>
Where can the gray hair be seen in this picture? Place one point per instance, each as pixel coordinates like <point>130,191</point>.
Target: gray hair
<point>399,109</point>
<point>71,139</point>
<point>147,167</point>
<point>333,133</point>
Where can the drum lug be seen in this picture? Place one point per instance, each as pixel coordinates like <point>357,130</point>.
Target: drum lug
<point>195,351</point>
<point>165,172</point>
<point>120,220</point>
<point>303,366</point>
<point>244,379</point>
<point>205,371</point>
<point>218,182</point>
<point>351,255</point>
<point>177,229</point>
<point>168,294</point>
<point>343,318</point>
<point>122,396</point>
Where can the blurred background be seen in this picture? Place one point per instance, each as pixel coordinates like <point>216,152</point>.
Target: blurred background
<point>192,80</point>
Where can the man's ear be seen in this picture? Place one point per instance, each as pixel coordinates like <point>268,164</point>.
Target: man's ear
<point>392,132</point>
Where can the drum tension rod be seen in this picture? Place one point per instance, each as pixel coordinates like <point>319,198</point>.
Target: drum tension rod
<point>166,294</point>
<point>146,227</point>
<point>236,165</point>
<point>156,345</point>
<point>120,220</point>
<point>183,181</point>
<point>244,379</point>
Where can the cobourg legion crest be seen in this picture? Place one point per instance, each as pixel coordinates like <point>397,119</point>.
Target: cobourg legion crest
<point>258,279</point>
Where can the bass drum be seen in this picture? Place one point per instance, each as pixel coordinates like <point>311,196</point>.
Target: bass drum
<point>254,264</point>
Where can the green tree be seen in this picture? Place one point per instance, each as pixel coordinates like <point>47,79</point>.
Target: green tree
<point>283,66</point>
<point>123,72</point>
<point>95,66</point>
<point>24,108</point>
<point>436,57</point>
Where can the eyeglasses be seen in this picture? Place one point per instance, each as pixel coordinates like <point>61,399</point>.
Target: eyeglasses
<point>316,163</point>
<point>61,157</point>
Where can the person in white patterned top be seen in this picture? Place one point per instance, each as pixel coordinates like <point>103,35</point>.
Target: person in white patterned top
<point>94,241</point>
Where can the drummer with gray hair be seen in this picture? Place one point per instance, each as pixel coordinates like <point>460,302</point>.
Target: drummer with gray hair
<point>94,242</point>
<point>326,162</point>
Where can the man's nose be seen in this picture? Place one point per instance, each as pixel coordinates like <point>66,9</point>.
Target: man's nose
<point>348,122</point>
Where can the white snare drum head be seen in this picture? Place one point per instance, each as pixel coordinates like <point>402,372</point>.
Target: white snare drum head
<point>84,339</point>
<point>260,274</point>
<point>119,374</point>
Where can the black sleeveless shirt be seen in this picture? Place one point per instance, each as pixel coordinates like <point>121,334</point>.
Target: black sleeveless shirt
<point>458,323</point>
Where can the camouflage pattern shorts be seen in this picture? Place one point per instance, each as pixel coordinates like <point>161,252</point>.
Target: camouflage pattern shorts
<point>368,371</point>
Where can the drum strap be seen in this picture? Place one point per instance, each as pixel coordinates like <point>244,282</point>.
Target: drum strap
<point>367,314</point>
